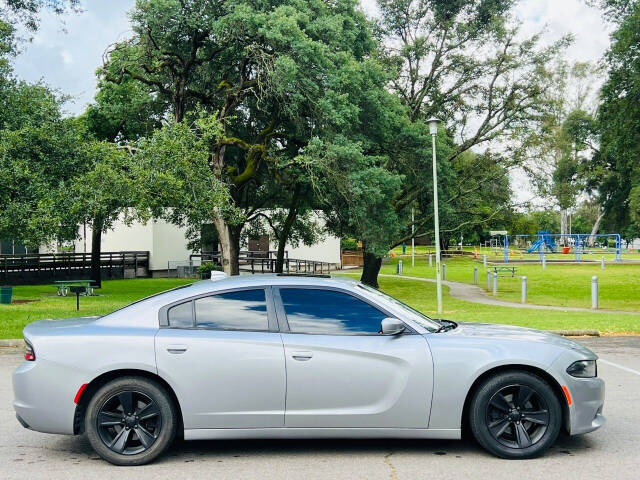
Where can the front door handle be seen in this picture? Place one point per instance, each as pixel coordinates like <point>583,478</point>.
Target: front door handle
<point>176,349</point>
<point>302,356</point>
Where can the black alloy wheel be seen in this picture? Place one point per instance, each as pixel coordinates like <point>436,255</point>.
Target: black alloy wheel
<point>515,414</point>
<point>129,422</point>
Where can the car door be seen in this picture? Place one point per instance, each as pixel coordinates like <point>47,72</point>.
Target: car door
<point>224,358</point>
<point>341,372</point>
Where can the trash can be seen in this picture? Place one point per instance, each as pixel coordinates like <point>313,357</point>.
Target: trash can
<point>566,250</point>
<point>6,293</point>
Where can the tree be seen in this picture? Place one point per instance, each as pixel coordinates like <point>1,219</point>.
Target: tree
<point>558,151</point>
<point>97,195</point>
<point>270,73</point>
<point>459,61</point>
<point>36,161</point>
<point>617,165</point>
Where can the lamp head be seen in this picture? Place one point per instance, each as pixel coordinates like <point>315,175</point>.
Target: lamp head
<point>433,125</point>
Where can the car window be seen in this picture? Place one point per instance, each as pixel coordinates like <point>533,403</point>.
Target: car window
<point>329,312</point>
<point>241,310</point>
<point>181,316</point>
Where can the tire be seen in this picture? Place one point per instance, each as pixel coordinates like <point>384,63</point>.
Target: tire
<point>515,415</point>
<point>135,439</point>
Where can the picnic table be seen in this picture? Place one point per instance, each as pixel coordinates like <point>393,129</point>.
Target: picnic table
<point>63,286</point>
<point>505,271</point>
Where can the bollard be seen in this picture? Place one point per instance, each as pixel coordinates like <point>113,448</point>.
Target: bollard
<point>430,260</point>
<point>399,267</point>
<point>475,275</point>
<point>602,263</point>
<point>495,284</point>
<point>523,292</point>
<point>484,260</point>
<point>544,262</point>
<point>444,271</point>
<point>594,292</point>
<point>488,280</point>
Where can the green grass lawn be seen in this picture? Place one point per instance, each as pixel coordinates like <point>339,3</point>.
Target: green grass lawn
<point>421,295</point>
<point>113,295</point>
<point>559,284</point>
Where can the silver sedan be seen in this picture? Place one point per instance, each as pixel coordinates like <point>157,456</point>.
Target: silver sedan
<point>298,357</point>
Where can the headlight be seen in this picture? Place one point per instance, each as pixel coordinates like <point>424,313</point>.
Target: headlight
<point>583,369</point>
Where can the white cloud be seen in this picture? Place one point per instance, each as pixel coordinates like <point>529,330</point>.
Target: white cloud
<point>66,51</point>
<point>67,58</point>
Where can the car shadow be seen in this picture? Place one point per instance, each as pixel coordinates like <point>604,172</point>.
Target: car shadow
<point>219,450</point>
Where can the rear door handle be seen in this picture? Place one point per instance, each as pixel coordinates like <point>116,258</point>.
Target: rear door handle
<point>176,349</point>
<point>302,356</point>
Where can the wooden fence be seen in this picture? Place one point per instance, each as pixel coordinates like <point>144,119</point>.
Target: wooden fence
<point>34,268</point>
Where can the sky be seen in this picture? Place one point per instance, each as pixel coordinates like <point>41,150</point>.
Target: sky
<point>65,52</point>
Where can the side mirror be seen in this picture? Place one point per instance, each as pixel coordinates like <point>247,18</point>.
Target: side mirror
<point>392,326</point>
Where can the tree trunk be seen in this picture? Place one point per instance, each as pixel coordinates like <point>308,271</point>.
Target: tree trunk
<point>229,237</point>
<point>286,229</point>
<point>444,243</point>
<point>594,230</point>
<point>371,269</point>
<point>564,222</point>
<point>96,249</point>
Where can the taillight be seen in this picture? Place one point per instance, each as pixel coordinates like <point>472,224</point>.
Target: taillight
<point>29,352</point>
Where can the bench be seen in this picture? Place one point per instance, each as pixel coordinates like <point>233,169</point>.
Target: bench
<point>64,285</point>
<point>505,271</point>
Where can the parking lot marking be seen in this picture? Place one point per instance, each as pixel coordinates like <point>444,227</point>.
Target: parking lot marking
<point>621,367</point>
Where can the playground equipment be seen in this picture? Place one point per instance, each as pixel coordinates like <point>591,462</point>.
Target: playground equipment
<point>544,241</point>
<point>579,241</point>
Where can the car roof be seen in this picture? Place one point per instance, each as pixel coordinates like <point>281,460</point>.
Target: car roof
<point>261,280</point>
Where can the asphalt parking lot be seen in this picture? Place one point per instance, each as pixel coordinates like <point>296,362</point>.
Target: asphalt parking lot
<point>610,453</point>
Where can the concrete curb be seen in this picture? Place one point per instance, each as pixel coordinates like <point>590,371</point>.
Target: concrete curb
<point>12,343</point>
<point>577,333</point>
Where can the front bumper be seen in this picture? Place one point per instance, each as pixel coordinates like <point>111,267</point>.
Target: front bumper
<point>587,403</point>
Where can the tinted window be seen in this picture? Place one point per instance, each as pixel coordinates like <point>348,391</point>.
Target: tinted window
<point>329,312</point>
<point>181,316</point>
<point>243,310</point>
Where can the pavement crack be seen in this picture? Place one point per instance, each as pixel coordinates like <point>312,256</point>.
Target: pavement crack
<point>387,460</point>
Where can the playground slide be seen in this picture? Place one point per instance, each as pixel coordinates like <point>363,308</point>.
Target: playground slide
<point>535,246</point>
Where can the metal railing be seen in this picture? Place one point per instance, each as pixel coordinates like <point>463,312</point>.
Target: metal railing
<point>265,262</point>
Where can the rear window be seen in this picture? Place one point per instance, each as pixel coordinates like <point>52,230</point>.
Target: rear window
<point>181,316</point>
<point>240,310</point>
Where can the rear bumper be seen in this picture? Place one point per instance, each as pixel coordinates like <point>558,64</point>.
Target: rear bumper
<point>42,400</point>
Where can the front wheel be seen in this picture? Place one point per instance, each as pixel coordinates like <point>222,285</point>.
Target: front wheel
<point>515,415</point>
<point>130,421</point>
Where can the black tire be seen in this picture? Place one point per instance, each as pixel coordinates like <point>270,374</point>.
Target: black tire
<point>135,439</point>
<point>515,415</point>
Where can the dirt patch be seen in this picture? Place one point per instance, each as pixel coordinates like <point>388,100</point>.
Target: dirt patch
<point>20,302</point>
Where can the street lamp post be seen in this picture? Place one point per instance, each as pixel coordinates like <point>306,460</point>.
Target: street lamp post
<point>433,130</point>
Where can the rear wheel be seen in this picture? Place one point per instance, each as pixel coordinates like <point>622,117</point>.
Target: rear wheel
<point>131,421</point>
<point>515,415</point>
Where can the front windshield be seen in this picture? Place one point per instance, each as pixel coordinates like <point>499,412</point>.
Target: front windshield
<point>429,323</point>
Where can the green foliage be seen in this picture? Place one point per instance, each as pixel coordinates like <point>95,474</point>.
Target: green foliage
<point>174,177</point>
<point>35,163</point>
<point>619,118</point>
<point>206,268</point>
<point>347,243</point>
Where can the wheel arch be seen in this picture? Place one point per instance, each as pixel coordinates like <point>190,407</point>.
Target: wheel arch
<point>550,379</point>
<point>95,384</point>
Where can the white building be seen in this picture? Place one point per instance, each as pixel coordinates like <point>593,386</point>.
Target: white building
<point>168,249</point>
